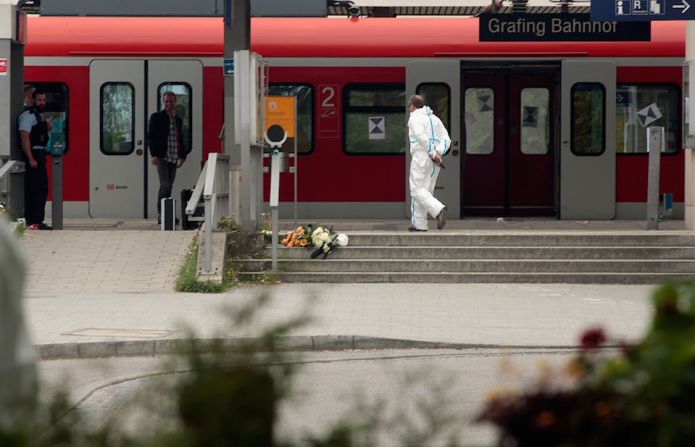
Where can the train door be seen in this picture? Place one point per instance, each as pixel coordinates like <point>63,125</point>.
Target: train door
<point>185,79</point>
<point>438,81</point>
<point>116,138</point>
<point>123,94</point>
<point>587,156</point>
<point>508,166</point>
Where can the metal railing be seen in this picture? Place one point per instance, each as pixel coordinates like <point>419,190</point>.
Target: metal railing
<point>213,188</point>
<point>8,167</point>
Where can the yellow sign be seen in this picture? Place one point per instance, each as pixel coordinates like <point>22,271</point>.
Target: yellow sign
<point>280,110</point>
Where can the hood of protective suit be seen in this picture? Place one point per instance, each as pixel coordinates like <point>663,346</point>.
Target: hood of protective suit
<point>422,110</point>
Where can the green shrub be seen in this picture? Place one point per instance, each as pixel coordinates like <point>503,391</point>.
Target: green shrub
<point>638,395</point>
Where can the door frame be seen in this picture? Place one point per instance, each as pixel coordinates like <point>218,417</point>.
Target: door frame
<point>434,71</point>
<point>587,188</point>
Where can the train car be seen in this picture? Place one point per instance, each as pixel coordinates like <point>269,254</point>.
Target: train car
<point>538,128</point>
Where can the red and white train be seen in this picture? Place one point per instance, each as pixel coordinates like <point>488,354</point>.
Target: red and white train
<point>539,128</point>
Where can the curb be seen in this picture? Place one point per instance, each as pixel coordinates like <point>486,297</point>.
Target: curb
<point>145,348</point>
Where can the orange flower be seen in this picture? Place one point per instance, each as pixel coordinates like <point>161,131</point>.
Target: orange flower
<point>545,419</point>
<point>574,369</point>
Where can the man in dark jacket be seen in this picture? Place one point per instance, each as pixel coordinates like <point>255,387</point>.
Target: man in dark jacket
<point>167,145</point>
<point>33,138</point>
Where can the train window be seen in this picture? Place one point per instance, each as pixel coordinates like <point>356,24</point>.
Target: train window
<point>304,95</point>
<point>117,118</point>
<point>631,136</point>
<point>534,119</point>
<point>438,97</point>
<point>480,120</point>
<point>588,119</point>
<point>57,113</point>
<point>374,120</point>
<point>183,108</point>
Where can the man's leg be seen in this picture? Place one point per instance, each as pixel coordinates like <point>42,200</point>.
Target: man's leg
<point>166,172</point>
<point>423,202</point>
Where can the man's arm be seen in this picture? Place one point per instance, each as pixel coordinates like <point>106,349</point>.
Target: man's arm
<point>26,148</point>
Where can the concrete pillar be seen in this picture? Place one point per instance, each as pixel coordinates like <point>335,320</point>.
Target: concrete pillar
<point>690,154</point>
<point>237,36</point>
<point>12,33</point>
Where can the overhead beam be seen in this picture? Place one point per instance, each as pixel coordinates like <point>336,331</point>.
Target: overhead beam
<point>179,8</point>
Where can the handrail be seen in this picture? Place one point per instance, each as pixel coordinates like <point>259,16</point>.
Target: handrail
<point>7,167</point>
<point>213,187</point>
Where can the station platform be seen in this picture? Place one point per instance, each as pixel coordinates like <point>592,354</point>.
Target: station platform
<point>101,283</point>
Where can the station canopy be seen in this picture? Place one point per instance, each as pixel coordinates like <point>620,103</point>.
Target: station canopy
<point>396,8</point>
<point>344,8</point>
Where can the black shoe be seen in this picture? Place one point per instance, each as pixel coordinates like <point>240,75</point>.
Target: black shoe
<point>43,226</point>
<point>415,229</point>
<point>441,218</point>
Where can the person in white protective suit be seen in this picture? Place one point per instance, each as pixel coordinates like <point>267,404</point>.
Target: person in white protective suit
<point>429,141</point>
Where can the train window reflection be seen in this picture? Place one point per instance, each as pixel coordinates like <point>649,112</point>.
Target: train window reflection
<point>588,118</point>
<point>374,120</point>
<point>183,108</point>
<point>438,97</point>
<point>304,95</point>
<point>480,120</point>
<point>56,113</point>
<point>631,136</point>
<point>117,118</point>
<point>535,124</point>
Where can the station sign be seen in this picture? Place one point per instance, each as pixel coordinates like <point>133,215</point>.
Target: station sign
<point>642,10</point>
<point>280,111</point>
<point>558,28</point>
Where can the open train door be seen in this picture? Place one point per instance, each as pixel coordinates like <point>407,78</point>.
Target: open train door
<point>587,154</point>
<point>439,82</point>
<point>185,79</point>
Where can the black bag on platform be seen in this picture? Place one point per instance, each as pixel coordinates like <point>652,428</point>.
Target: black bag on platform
<point>199,212</point>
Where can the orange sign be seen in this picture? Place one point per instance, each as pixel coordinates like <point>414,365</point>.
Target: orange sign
<point>280,110</point>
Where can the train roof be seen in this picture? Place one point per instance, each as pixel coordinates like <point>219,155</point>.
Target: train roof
<point>317,37</point>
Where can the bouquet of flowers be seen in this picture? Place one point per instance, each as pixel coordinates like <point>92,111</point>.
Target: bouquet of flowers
<point>321,239</point>
<point>326,240</point>
<point>298,237</point>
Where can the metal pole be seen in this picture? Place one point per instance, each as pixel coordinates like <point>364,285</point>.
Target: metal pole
<point>208,236</point>
<point>274,202</point>
<point>655,144</point>
<point>296,160</point>
<point>57,200</point>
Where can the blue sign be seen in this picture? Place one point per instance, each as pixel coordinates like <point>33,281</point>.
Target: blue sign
<point>642,10</point>
<point>229,67</point>
<point>228,12</point>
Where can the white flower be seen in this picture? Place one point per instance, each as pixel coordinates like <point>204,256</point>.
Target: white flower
<point>342,240</point>
<point>324,236</point>
<point>326,247</point>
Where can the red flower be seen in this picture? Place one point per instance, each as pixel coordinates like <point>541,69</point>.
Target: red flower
<point>593,338</point>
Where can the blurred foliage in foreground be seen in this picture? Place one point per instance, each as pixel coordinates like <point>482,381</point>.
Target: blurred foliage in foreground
<point>632,395</point>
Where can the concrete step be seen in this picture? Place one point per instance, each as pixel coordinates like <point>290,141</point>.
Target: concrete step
<point>551,239</point>
<point>494,252</point>
<point>441,278</point>
<point>677,266</point>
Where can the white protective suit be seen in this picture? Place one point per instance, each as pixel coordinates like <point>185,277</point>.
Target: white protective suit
<point>427,134</point>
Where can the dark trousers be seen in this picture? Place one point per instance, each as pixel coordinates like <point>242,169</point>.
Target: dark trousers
<point>167,174</point>
<point>35,189</point>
